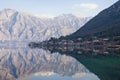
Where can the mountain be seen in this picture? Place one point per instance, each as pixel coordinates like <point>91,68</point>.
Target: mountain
<point>21,26</point>
<point>106,23</point>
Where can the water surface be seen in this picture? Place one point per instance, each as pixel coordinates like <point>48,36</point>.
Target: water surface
<point>19,62</point>
<point>24,63</point>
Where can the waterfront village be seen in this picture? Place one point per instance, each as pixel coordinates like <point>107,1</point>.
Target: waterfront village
<point>104,45</point>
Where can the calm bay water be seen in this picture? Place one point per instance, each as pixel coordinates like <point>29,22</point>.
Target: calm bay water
<point>23,63</point>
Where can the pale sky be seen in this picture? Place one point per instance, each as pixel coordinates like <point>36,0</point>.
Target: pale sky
<point>57,7</point>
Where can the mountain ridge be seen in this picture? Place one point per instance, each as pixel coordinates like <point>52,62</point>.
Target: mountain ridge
<point>106,21</point>
<point>16,25</point>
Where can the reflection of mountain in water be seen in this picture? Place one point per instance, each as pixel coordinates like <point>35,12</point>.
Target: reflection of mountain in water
<point>105,66</point>
<point>18,63</point>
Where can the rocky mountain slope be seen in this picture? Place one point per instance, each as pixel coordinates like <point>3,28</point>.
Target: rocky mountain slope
<point>16,25</point>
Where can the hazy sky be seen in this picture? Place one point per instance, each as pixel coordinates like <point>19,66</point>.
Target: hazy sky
<point>57,7</point>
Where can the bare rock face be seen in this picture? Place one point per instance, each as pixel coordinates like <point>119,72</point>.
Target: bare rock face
<point>20,26</point>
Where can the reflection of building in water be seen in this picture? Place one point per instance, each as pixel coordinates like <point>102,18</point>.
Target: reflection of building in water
<point>19,63</point>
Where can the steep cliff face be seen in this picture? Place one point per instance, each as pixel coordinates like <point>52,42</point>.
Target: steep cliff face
<point>16,25</point>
